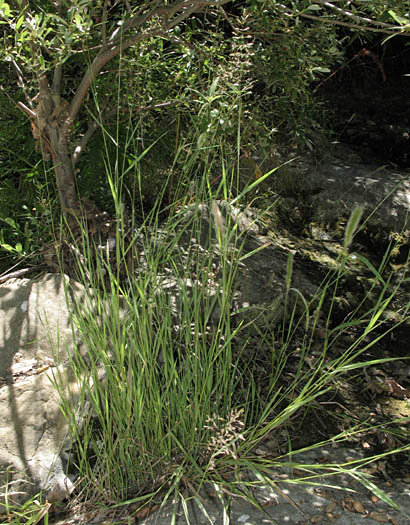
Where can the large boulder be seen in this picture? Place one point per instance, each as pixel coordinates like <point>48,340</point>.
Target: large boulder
<point>324,195</point>
<point>35,340</point>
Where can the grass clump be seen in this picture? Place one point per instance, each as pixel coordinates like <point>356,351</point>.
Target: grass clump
<point>159,369</point>
<point>169,399</point>
<point>171,392</point>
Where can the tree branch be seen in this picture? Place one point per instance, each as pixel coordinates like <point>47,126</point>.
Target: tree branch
<point>82,143</point>
<point>355,26</point>
<point>45,98</point>
<point>357,18</point>
<point>166,12</point>
<point>27,110</point>
<point>104,24</point>
<point>139,19</point>
<point>58,70</point>
<point>21,84</point>
<point>57,79</point>
<point>104,56</point>
<point>117,44</point>
<point>226,17</point>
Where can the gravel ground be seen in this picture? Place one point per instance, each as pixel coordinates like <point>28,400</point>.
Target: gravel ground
<point>303,504</point>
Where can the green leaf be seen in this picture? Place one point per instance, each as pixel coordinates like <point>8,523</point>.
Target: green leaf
<point>7,247</point>
<point>202,140</point>
<point>10,222</point>
<point>4,9</point>
<point>19,22</point>
<point>370,266</point>
<point>400,20</point>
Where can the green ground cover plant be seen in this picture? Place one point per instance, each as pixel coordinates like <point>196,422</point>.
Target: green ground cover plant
<point>32,512</point>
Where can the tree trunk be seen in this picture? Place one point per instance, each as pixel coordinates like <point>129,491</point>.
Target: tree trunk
<point>64,172</point>
<point>51,133</point>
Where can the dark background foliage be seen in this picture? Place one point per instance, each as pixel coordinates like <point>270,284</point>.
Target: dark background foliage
<point>285,81</point>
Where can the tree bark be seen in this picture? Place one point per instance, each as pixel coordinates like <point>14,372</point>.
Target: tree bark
<point>51,134</point>
<point>65,180</point>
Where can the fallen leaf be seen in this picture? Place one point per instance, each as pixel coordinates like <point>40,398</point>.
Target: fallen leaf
<point>358,507</point>
<point>331,507</point>
<point>397,390</point>
<point>316,519</point>
<point>332,517</point>
<point>348,504</point>
<point>144,512</point>
<point>379,517</point>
